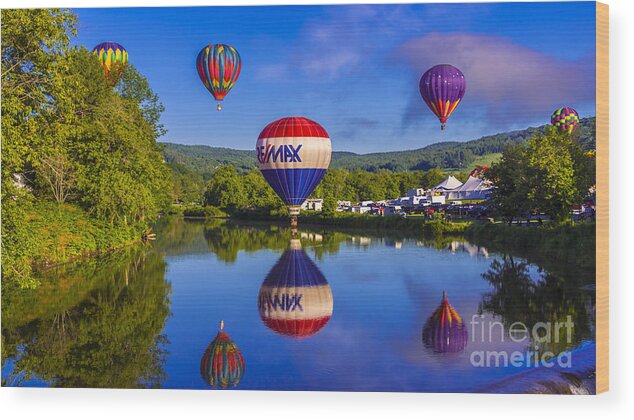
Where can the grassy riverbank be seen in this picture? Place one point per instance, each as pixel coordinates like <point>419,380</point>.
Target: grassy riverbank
<point>51,235</point>
<point>564,244</point>
<point>410,225</point>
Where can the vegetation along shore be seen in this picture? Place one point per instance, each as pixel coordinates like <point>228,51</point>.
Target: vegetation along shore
<point>83,172</point>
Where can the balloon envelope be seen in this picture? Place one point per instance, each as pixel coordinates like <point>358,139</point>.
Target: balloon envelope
<point>565,120</point>
<point>442,88</point>
<point>444,331</point>
<point>295,298</point>
<point>293,154</point>
<point>222,365</point>
<point>113,57</point>
<point>218,67</point>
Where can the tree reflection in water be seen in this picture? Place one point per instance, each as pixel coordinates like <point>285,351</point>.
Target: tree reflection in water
<point>226,240</point>
<point>543,297</point>
<point>95,324</point>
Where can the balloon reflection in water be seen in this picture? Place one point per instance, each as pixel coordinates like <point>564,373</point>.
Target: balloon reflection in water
<point>222,365</point>
<point>295,298</point>
<point>445,331</point>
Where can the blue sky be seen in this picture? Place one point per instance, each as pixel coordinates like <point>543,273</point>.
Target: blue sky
<point>355,69</point>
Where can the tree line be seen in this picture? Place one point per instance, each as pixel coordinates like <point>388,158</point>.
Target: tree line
<point>233,191</point>
<point>548,174</point>
<point>70,139</point>
<point>205,160</point>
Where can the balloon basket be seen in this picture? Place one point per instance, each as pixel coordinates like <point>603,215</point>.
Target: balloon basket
<point>219,107</point>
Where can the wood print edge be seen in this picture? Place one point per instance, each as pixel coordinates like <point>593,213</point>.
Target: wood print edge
<point>602,224</point>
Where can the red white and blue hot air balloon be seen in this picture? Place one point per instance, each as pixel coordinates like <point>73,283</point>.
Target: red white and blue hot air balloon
<point>222,365</point>
<point>218,67</point>
<point>444,331</point>
<point>293,154</point>
<point>295,299</point>
<point>442,88</point>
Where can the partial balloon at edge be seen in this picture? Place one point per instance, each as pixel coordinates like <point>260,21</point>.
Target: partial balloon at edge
<point>295,299</point>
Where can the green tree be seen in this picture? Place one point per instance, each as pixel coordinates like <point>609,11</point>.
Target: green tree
<point>433,177</point>
<point>511,177</point>
<point>549,174</point>
<point>552,174</point>
<point>33,40</point>
<point>225,190</point>
<point>69,137</point>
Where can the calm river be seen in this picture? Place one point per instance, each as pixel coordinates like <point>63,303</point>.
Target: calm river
<point>360,312</point>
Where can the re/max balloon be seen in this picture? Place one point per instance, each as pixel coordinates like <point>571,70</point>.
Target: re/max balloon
<point>218,67</point>
<point>295,299</point>
<point>293,154</point>
<point>114,58</point>
<point>442,88</point>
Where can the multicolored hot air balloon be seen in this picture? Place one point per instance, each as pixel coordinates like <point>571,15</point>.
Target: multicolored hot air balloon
<point>295,299</point>
<point>218,67</point>
<point>114,58</point>
<point>565,120</point>
<point>444,331</point>
<point>442,88</point>
<point>293,154</point>
<point>222,365</point>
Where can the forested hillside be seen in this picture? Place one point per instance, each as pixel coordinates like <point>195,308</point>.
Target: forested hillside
<point>459,156</point>
<point>81,170</point>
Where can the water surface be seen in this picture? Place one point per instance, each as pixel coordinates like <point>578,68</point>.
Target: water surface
<point>144,317</point>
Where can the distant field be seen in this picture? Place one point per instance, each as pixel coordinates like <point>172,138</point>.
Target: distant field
<point>485,160</point>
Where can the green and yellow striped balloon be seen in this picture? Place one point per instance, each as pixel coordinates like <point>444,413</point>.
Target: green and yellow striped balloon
<point>113,57</point>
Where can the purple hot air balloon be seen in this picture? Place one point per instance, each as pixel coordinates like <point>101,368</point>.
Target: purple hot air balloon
<point>444,331</point>
<point>442,88</point>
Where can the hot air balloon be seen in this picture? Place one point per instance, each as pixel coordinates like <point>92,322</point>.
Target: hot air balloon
<point>293,154</point>
<point>295,299</point>
<point>442,88</point>
<point>218,67</point>
<point>444,331</point>
<point>565,120</point>
<point>479,171</point>
<point>222,365</point>
<point>114,58</point>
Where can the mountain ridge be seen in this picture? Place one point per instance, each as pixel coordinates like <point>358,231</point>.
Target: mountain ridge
<point>451,155</point>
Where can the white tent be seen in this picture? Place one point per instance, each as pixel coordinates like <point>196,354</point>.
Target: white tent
<point>473,189</point>
<point>449,183</point>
